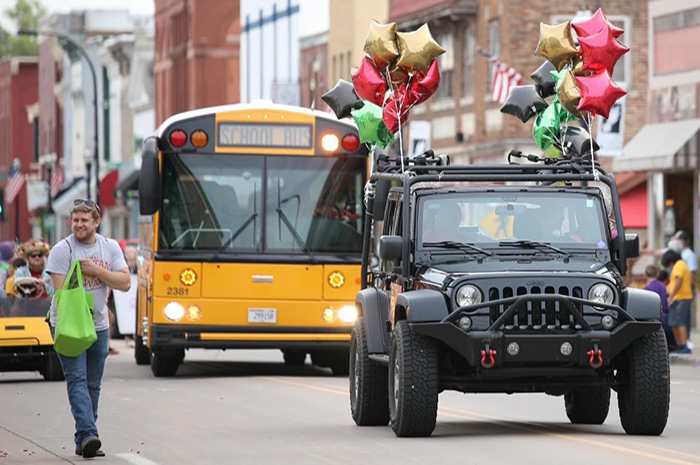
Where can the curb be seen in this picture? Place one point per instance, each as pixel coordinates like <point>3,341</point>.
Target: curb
<point>689,360</point>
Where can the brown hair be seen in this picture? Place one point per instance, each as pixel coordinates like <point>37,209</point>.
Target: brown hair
<point>651,271</point>
<point>81,207</point>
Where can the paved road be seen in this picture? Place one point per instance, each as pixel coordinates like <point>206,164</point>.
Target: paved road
<point>246,407</point>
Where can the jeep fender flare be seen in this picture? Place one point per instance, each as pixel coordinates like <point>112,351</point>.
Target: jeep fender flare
<point>373,305</point>
<point>422,305</point>
<point>641,304</point>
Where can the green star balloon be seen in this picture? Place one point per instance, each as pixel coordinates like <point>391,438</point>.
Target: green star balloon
<point>545,131</point>
<point>370,125</point>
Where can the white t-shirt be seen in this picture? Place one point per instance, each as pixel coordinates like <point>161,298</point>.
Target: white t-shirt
<point>106,253</point>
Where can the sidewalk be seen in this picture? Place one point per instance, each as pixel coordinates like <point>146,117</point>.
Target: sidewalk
<point>17,450</point>
<point>690,359</point>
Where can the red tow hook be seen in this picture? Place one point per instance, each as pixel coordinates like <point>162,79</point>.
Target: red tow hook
<point>592,354</point>
<point>490,353</point>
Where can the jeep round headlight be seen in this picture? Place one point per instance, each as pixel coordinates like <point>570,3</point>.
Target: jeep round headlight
<point>601,293</point>
<point>468,295</point>
<point>174,311</point>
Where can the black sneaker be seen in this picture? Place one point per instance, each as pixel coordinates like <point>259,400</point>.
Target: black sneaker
<point>90,447</point>
<point>99,453</point>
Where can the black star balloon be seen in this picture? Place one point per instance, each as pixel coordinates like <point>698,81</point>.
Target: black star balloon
<point>523,102</point>
<point>575,142</point>
<point>543,79</point>
<point>342,99</point>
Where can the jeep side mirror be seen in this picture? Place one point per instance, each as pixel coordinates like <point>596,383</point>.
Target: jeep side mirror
<point>631,245</point>
<point>390,247</point>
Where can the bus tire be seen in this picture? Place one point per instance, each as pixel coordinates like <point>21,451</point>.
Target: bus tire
<point>141,353</point>
<point>51,370</point>
<point>587,405</point>
<point>294,357</point>
<point>164,363</point>
<point>337,360</point>
<point>369,382</point>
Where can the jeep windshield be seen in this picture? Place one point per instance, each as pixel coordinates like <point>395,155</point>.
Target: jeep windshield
<point>514,222</point>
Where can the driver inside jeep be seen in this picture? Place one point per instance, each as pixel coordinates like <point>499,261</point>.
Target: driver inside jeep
<point>32,280</point>
<point>445,225</point>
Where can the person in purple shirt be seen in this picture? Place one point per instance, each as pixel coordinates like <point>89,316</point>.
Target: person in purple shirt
<point>655,284</point>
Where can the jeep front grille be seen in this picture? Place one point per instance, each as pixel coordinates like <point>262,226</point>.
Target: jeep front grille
<point>535,314</point>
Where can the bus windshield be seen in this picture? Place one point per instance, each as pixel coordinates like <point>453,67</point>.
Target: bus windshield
<point>262,204</point>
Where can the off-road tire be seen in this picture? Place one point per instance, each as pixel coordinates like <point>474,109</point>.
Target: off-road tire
<point>164,363</point>
<point>413,382</point>
<point>369,382</point>
<point>588,405</point>
<point>644,396</point>
<point>294,357</point>
<point>51,369</point>
<point>142,354</point>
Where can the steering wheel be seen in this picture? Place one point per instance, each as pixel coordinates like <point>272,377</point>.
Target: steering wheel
<point>28,288</point>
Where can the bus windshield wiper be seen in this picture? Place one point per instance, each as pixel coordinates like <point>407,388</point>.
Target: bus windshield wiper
<point>457,245</point>
<point>533,245</point>
<point>238,232</point>
<point>292,230</point>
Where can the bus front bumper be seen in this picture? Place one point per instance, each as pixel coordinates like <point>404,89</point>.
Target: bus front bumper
<point>249,337</point>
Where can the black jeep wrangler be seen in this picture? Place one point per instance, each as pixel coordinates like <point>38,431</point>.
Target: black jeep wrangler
<point>502,278</point>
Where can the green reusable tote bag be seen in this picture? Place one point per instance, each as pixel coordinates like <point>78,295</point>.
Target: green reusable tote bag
<point>75,330</point>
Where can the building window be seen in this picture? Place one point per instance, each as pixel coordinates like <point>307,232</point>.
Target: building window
<point>494,46</point>
<point>468,58</point>
<point>446,65</point>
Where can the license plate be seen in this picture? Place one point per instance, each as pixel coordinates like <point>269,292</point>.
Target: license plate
<point>262,315</point>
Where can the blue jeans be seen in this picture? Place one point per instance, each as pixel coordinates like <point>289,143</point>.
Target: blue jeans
<point>84,379</point>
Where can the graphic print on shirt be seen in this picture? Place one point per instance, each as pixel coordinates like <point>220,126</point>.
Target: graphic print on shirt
<point>91,281</point>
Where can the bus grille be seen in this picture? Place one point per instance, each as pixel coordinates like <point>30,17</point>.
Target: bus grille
<point>535,314</point>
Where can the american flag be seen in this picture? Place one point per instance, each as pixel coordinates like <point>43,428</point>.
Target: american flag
<point>56,180</point>
<point>14,185</point>
<point>503,76</point>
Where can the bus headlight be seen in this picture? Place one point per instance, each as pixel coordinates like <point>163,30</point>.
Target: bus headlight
<point>174,311</point>
<point>330,142</point>
<point>347,314</point>
<point>194,313</point>
<point>468,295</point>
<point>601,293</point>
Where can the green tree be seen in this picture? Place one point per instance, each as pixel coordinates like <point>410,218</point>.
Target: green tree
<point>24,14</point>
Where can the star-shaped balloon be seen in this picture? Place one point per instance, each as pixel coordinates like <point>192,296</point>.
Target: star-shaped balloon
<point>370,125</point>
<point>423,86</point>
<point>595,24</point>
<point>575,141</point>
<point>417,49</point>
<point>368,82</point>
<point>380,44</point>
<point>342,99</point>
<point>598,93</point>
<point>568,92</point>
<point>523,102</point>
<point>601,51</point>
<point>556,44</point>
<point>543,78</point>
<point>398,75</point>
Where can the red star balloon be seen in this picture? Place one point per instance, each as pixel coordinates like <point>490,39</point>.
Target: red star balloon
<point>395,110</point>
<point>601,51</point>
<point>368,82</point>
<point>595,24</point>
<point>423,86</point>
<point>598,93</point>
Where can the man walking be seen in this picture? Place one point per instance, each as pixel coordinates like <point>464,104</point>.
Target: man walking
<point>102,264</point>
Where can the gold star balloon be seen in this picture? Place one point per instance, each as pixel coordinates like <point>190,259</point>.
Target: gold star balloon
<point>569,93</point>
<point>380,44</point>
<point>417,49</point>
<point>398,75</point>
<point>556,44</point>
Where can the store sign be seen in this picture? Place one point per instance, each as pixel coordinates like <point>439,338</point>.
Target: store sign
<point>37,194</point>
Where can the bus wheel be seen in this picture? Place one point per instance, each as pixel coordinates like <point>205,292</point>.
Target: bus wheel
<point>141,353</point>
<point>337,360</point>
<point>52,370</point>
<point>294,357</point>
<point>164,363</point>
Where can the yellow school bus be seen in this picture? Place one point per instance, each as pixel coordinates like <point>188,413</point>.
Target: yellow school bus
<point>250,235</point>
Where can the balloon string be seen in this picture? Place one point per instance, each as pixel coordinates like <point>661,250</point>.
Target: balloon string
<point>596,175</point>
<point>398,117</point>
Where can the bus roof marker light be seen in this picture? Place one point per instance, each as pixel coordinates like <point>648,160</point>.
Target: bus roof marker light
<point>330,142</point>
<point>350,142</point>
<point>178,137</point>
<point>199,138</point>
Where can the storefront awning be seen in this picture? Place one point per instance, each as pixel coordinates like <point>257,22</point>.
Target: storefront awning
<point>128,185</point>
<point>661,147</point>
<point>107,185</point>
<point>64,200</point>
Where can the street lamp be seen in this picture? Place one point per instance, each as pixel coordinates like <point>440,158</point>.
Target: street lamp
<point>65,38</point>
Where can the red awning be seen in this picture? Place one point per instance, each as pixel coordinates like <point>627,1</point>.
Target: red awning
<point>107,185</point>
<point>633,204</point>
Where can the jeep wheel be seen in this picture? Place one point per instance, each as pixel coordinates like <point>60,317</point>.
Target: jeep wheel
<point>369,392</point>
<point>142,354</point>
<point>644,395</point>
<point>51,369</point>
<point>588,405</point>
<point>164,363</point>
<point>294,357</point>
<point>413,382</point>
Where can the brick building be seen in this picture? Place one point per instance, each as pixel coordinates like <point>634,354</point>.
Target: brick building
<point>18,91</point>
<point>465,121</point>
<point>313,69</point>
<point>196,54</point>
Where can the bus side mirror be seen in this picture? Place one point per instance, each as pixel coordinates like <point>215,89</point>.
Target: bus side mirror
<point>149,179</point>
<point>390,247</point>
<point>631,246</point>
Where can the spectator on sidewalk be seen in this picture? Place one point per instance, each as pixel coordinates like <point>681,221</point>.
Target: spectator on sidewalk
<point>680,296</point>
<point>654,284</point>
